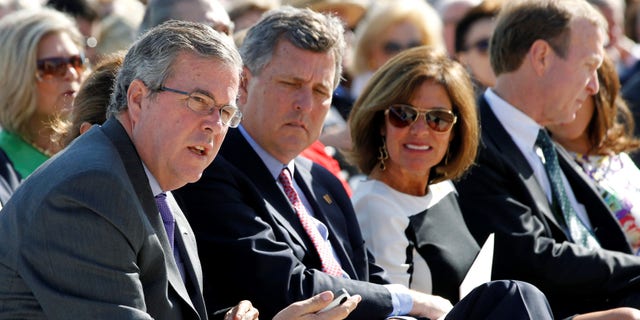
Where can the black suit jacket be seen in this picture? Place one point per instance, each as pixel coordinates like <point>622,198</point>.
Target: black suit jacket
<point>252,245</point>
<point>501,194</point>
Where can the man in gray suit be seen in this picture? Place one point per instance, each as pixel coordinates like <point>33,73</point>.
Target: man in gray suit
<point>83,237</point>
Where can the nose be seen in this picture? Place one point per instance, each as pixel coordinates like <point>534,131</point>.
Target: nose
<point>72,73</point>
<point>420,125</point>
<point>213,122</point>
<point>593,85</point>
<point>303,100</point>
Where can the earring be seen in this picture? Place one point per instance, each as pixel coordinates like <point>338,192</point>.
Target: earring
<point>383,154</point>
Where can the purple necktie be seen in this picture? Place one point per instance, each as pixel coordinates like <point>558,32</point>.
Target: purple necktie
<point>167,217</point>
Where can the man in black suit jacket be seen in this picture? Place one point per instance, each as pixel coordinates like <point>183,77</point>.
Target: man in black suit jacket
<point>508,192</point>
<point>251,241</point>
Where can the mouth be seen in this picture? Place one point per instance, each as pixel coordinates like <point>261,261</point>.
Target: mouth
<point>296,124</point>
<point>417,147</point>
<point>199,150</point>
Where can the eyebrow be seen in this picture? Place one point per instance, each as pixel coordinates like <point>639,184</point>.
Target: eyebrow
<point>204,92</point>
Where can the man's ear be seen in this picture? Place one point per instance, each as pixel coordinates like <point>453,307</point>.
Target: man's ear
<point>243,90</point>
<point>135,94</point>
<point>540,56</point>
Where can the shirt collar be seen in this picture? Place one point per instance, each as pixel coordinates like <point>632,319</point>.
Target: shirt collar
<point>153,183</point>
<point>273,165</point>
<point>522,129</point>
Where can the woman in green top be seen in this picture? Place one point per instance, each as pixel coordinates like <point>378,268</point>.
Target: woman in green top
<point>42,71</point>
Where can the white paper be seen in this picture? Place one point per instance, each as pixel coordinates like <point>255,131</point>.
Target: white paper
<point>480,271</point>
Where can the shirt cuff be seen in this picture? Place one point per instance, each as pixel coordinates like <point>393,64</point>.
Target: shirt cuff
<point>400,298</point>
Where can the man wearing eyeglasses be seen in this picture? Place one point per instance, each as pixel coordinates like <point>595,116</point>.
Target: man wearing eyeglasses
<point>83,237</point>
<point>551,227</point>
<point>273,227</point>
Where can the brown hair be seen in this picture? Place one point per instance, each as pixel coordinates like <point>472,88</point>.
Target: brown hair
<point>90,105</point>
<point>521,23</point>
<point>611,126</point>
<point>395,82</point>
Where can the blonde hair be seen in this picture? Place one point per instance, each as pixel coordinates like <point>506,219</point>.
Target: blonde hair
<point>386,14</point>
<point>21,32</point>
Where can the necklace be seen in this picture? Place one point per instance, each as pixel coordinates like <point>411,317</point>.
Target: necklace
<point>41,150</point>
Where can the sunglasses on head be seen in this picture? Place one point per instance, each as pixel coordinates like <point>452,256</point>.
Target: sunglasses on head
<point>402,115</point>
<point>58,66</point>
<point>481,45</point>
<point>392,47</point>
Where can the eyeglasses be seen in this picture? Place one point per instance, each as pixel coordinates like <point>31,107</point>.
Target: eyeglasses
<point>481,45</point>
<point>392,47</point>
<point>402,115</point>
<point>58,66</point>
<point>205,105</point>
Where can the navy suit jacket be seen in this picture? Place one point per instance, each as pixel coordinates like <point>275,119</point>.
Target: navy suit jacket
<point>252,245</point>
<point>82,238</point>
<point>501,194</point>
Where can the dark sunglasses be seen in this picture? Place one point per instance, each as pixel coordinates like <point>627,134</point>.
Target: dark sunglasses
<point>58,66</point>
<point>402,115</point>
<point>481,45</point>
<point>392,47</point>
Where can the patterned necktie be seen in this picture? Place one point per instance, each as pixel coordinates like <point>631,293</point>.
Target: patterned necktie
<point>167,217</point>
<point>329,263</point>
<point>578,230</point>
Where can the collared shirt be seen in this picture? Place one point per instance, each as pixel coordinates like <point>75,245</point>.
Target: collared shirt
<point>524,131</point>
<point>400,296</point>
<point>156,190</point>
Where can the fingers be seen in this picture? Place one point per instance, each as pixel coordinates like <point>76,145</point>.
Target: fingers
<point>243,311</point>
<point>341,311</point>
<point>426,305</point>
<point>300,309</point>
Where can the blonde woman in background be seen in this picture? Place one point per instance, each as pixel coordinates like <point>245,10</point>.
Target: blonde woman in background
<point>43,70</point>
<point>389,28</point>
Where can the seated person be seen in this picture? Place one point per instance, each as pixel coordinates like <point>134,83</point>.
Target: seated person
<point>273,227</point>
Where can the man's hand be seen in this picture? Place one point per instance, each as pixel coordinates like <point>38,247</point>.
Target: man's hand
<point>243,311</point>
<point>426,305</point>
<point>307,309</point>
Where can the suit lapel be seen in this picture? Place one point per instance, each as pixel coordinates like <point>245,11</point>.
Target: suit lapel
<point>238,152</point>
<point>498,137</point>
<point>325,210</point>
<point>185,241</point>
<point>132,163</point>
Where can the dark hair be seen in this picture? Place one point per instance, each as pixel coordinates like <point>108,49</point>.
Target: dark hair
<point>487,9</point>
<point>75,8</point>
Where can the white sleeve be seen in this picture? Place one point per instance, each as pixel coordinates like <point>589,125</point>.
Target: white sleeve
<point>383,228</point>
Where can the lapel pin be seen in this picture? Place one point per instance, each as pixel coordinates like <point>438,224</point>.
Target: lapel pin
<point>327,198</point>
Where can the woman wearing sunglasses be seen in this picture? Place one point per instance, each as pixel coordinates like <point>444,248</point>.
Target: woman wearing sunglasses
<point>42,66</point>
<point>472,36</point>
<point>413,128</point>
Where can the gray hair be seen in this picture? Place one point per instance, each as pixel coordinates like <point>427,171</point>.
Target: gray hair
<point>20,34</point>
<point>151,58</point>
<point>304,28</point>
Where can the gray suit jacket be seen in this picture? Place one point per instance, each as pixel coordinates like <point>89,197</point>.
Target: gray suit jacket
<point>82,238</point>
